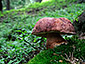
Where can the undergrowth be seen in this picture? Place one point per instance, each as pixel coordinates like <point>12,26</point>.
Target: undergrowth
<point>17,25</point>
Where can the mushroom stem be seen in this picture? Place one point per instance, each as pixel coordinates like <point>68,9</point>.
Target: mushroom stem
<point>54,39</point>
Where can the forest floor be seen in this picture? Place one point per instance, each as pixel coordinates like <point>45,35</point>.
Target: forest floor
<point>16,27</point>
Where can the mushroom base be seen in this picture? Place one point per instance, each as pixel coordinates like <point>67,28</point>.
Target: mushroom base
<point>54,40</point>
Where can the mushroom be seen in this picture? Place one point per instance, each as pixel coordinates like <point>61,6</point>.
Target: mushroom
<point>52,28</point>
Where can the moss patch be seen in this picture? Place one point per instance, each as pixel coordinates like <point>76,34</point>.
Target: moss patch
<point>50,56</point>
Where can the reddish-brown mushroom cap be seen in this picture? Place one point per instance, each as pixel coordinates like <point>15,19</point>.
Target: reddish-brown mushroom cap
<point>46,27</point>
<point>57,25</point>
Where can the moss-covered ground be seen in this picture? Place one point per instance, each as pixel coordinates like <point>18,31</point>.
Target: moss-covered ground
<point>53,56</point>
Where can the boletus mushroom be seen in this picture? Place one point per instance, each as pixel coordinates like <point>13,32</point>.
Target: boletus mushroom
<point>52,28</point>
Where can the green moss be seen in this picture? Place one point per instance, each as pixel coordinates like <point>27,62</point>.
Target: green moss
<point>47,57</point>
